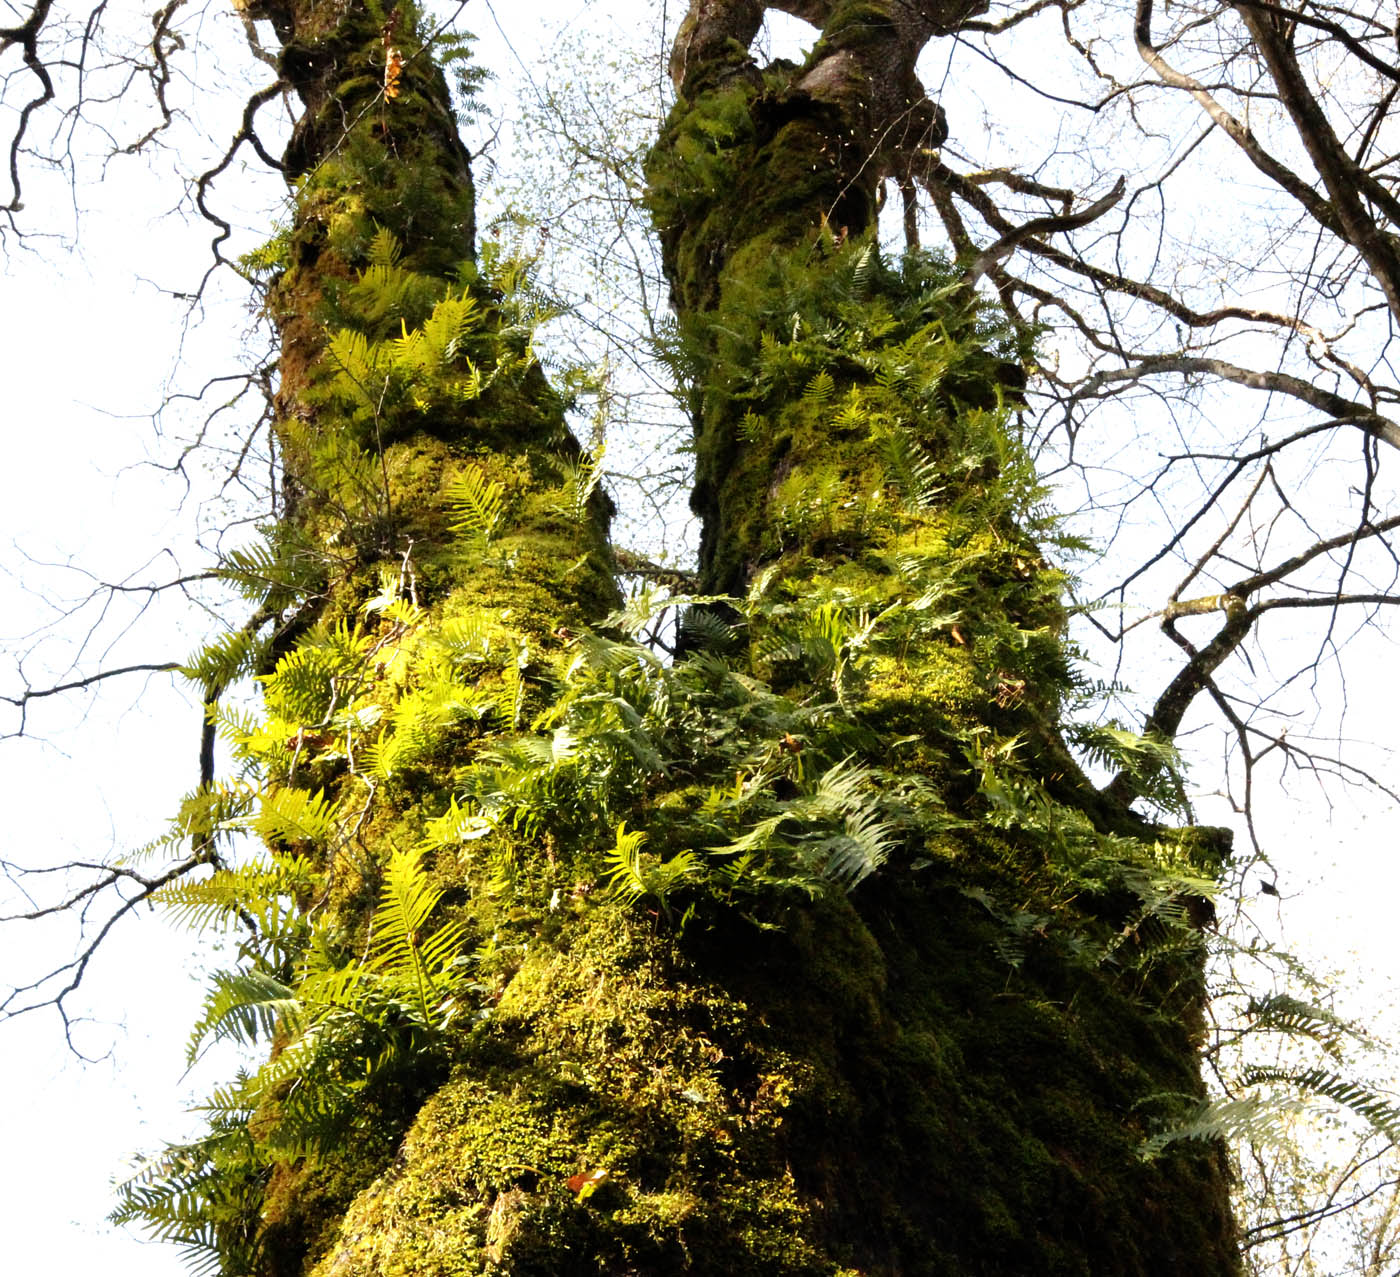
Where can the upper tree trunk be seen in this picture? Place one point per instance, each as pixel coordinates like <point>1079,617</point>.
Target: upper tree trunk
<point>997,1106</point>
<point>949,1069</point>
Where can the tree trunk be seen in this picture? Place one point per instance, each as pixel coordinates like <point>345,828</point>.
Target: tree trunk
<point>886,989</point>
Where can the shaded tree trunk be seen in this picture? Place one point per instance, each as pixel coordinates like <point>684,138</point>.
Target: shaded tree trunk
<point>887,989</point>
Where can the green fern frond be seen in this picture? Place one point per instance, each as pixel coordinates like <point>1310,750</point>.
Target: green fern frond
<point>1283,1013</point>
<point>244,1007</point>
<point>1372,1106</point>
<point>820,390</point>
<point>222,661</point>
<point>254,568</point>
<point>317,675</point>
<point>478,505</point>
<point>862,847</point>
<point>401,951</point>
<point>384,249</point>
<point>704,628</point>
<point>863,271</point>
<point>459,823</point>
<point>463,639</point>
<point>581,478</point>
<point>632,874</point>
<point>910,469</point>
<point>295,816</point>
<point>1254,1119</point>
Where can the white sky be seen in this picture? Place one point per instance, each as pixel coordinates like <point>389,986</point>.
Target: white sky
<point>85,349</point>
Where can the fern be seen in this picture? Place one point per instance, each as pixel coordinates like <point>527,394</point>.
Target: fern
<point>1152,763</point>
<point>1257,1119</point>
<point>910,469</point>
<point>1283,1013</point>
<point>402,954</point>
<point>581,478</point>
<point>478,505</point>
<point>294,815</point>
<point>632,874</point>
<point>246,1007</point>
<point>1372,1106</point>
<point>342,1025</point>
<point>820,390</point>
<point>224,660</point>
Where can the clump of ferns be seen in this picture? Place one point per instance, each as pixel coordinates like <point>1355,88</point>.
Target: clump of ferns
<point>775,797</point>
<point>407,344</point>
<point>1318,1073</point>
<point>344,1024</point>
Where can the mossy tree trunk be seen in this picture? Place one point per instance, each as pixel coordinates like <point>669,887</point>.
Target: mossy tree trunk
<point>810,954</point>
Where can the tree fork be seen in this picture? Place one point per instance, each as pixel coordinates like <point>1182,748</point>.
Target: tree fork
<point>685,1047</point>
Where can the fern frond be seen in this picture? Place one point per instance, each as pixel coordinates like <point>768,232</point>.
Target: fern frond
<point>910,469</point>
<point>581,478</point>
<point>244,1007</point>
<point>1372,1106</point>
<point>295,815</point>
<point>820,390</point>
<point>459,823</point>
<point>863,269</point>
<point>631,874</point>
<point>478,504</point>
<point>384,248</point>
<point>1256,1119</point>
<point>224,660</point>
<point>401,951</point>
<point>1283,1013</point>
<point>862,848</point>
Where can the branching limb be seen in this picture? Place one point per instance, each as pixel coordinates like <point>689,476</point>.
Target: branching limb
<point>1342,411</point>
<point>30,694</point>
<point>40,994</point>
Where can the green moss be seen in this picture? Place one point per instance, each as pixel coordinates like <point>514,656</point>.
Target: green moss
<point>736,1140</point>
<point>972,1022</point>
<point>743,1068</point>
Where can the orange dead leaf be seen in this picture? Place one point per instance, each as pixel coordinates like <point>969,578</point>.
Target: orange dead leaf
<point>586,1183</point>
<point>393,68</point>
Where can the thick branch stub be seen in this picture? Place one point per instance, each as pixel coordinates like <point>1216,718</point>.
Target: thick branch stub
<point>855,112</point>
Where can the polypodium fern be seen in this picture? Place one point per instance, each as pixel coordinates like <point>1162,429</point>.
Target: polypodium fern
<point>1376,1109</point>
<point>1261,1118</point>
<point>428,966</point>
<point>342,1023</point>
<point>580,479</point>
<point>477,505</point>
<point>632,874</point>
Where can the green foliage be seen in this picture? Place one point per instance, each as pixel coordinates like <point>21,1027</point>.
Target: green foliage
<point>1152,762</point>
<point>632,874</point>
<point>346,1026</point>
<point>275,572</point>
<point>580,478</point>
<point>1263,1118</point>
<point>225,659</point>
<point>269,258</point>
<point>868,685</point>
<point>1300,1020</point>
<point>452,50</point>
<point>477,504</point>
<point>1377,1110</point>
<point>420,369</point>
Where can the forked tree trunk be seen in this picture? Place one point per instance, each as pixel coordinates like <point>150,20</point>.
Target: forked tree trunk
<point>951,1067</point>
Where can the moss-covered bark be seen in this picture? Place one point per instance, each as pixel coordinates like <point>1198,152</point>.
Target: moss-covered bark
<point>851,456</point>
<point>810,954</point>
